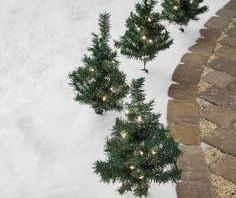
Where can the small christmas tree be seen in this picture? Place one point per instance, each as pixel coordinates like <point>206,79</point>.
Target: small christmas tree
<point>145,36</point>
<point>182,11</point>
<point>100,83</point>
<point>140,149</point>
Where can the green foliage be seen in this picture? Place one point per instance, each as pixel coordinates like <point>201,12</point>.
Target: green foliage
<point>140,150</point>
<point>182,11</point>
<point>100,83</point>
<point>145,36</point>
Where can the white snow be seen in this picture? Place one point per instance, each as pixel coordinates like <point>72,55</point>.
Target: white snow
<point>48,142</point>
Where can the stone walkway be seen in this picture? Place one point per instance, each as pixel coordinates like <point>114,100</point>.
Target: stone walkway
<point>202,113</point>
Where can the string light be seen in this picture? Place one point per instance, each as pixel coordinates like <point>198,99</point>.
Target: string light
<point>149,19</point>
<point>123,134</point>
<point>92,70</point>
<point>142,57</point>
<point>154,152</point>
<point>150,41</point>
<point>175,8</point>
<point>140,118</point>
<point>112,89</point>
<point>104,98</point>
<point>127,111</point>
<point>131,167</point>
<point>141,177</point>
<point>141,152</point>
<point>99,36</point>
<point>144,37</point>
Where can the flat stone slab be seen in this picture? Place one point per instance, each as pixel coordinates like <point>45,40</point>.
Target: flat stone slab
<point>232,88</point>
<point>223,139</point>
<point>193,164</point>
<point>194,189</point>
<point>229,41</point>
<point>220,116</point>
<point>220,79</point>
<point>203,47</point>
<point>183,91</point>
<point>182,112</point>
<point>217,96</point>
<point>186,134</point>
<point>210,33</point>
<point>226,52</point>
<point>219,23</point>
<point>226,168</point>
<point>195,60</point>
<point>187,74</point>
<point>226,13</point>
<point>223,65</point>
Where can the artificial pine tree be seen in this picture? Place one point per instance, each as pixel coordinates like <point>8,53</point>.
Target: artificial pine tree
<point>182,11</point>
<point>100,83</point>
<point>145,36</point>
<point>140,149</point>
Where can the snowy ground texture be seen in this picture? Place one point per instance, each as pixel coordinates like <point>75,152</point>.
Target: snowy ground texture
<point>48,142</point>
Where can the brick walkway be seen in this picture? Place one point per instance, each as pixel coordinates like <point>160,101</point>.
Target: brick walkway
<point>202,113</point>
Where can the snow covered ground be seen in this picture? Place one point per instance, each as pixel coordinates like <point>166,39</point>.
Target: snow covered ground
<point>48,142</point>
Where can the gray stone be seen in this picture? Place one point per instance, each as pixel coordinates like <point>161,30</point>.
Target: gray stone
<point>229,41</point>
<point>220,79</point>
<point>223,139</point>
<point>183,91</point>
<point>220,116</point>
<point>228,13</point>
<point>187,74</point>
<point>231,31</point>
<point>223,65</point>
<point>230,5</point>
<point>210,33</point>
<point>203,47</point>
<point>192,164</point>
<point>219,23</point>
<point>217,96</point>
<point>195,189</point>
<point>182,112</point>
<point>226,52</point>
<point>186,134</point>
<point>226,168</point>
<point>195,60</point>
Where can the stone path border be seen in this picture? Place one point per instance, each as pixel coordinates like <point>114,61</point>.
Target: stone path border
<point>183,111</point>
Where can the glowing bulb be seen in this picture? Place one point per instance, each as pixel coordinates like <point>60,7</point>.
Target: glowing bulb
<point>141,152</point>
<point>144,37</point>
<point>140,118</point>
<point>104,98</point>
<point>131,167</point>
<point>149,19</point>
<point>150,41</point>
<point>154,152</point>
<point>175,8</point>
<point>112,89</point>
<point>123,134</point>
<point>92,70</point>
<point>143,57</point>
<point>99,36</point>
<point>141,177</point>
<point>163,32</point>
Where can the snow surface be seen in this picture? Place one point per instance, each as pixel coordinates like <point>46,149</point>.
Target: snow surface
<point>48,142</point>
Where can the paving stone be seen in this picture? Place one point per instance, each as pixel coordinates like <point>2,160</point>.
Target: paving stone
<point>220,79</point>
<point>195,60</point>
<point>210,33</point>
<point>226,168</point>
<point>217,96</point>
<point>219,115</point>
<point>223,65</point>
<point>229,13</point>
<point>232,88</point>
<point>226,52</point>
<point>192,164</point>
<point>203,47</point>
<point>194,189</point>
<point>182,112</point>
<point>186,134</point>
<point>231,31</point>
<point>229,41</point>
<point>219,23</point>
<point>230,5</point>
<point>187,74</point>
<point>223,139</point>
<point>183,91</point>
